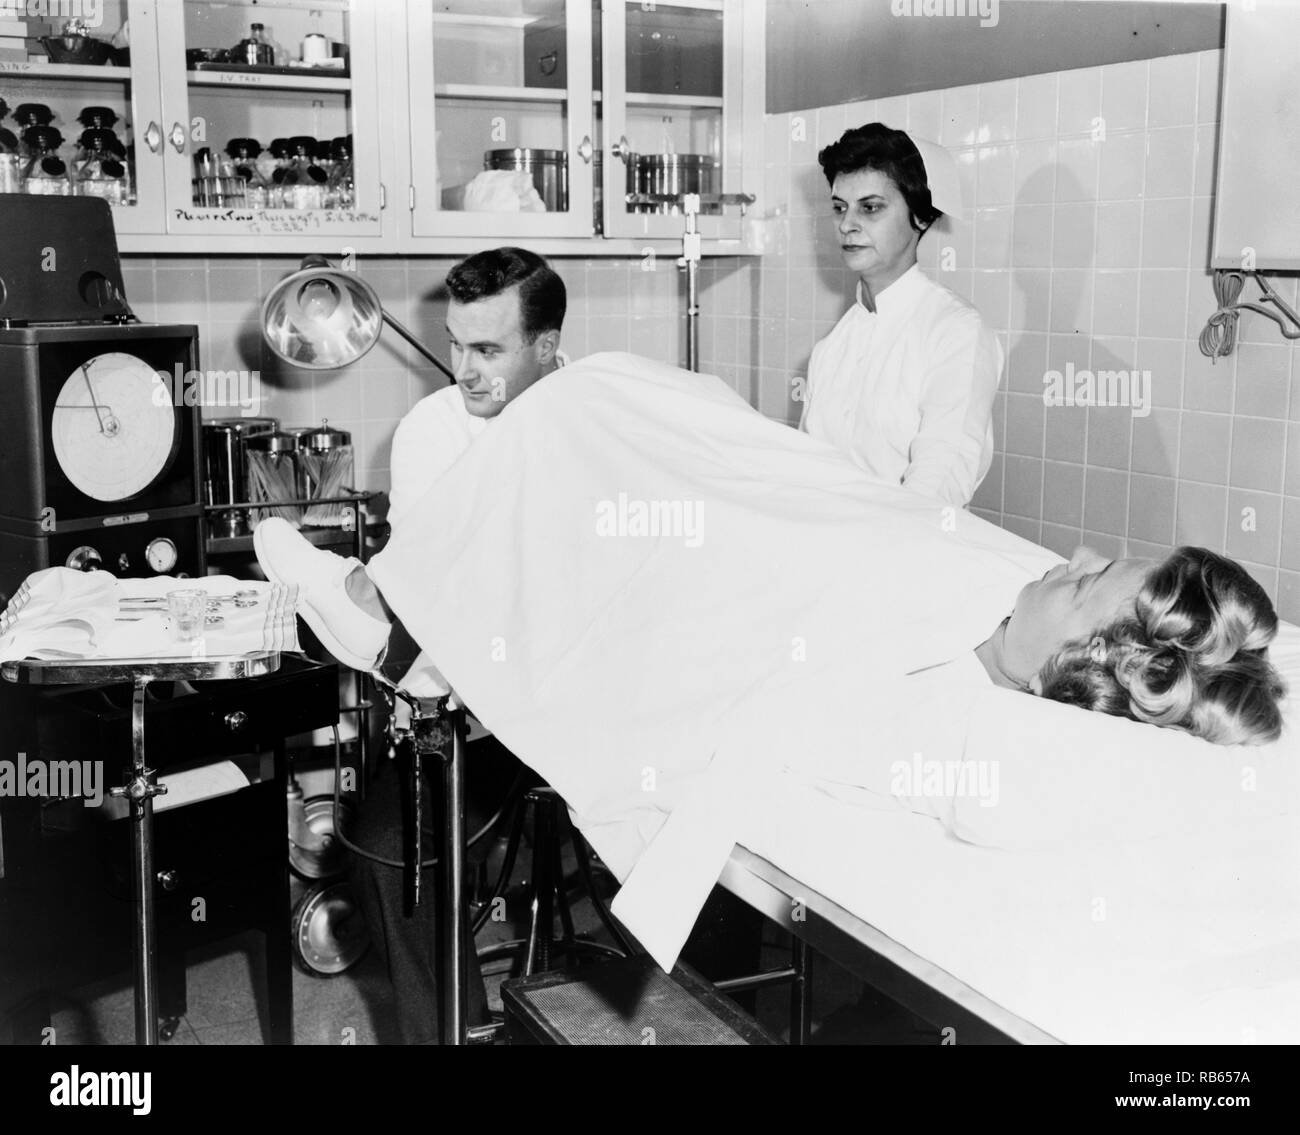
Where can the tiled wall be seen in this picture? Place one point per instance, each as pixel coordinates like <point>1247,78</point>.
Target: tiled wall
<point>1078,247</point>
<point>613,305</point>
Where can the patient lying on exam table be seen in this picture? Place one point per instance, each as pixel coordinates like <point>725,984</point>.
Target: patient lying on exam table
<point>1180,642</point>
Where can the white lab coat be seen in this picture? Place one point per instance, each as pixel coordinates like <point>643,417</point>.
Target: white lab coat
<point>433,436</point>
<point>907,390</point>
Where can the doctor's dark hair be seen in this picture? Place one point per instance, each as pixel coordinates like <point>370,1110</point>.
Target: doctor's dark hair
<point>542,297</point>
<point>891,152</point>
<point>1191,655</point>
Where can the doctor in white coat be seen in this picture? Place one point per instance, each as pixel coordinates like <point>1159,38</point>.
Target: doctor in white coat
<point>904,383</point>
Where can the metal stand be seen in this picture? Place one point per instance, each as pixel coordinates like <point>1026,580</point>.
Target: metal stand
<point>141,787</point>
<point>692,251</point>
<point>441,733</point>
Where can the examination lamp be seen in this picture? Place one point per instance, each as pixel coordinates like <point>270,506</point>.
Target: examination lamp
<point>321,318</point>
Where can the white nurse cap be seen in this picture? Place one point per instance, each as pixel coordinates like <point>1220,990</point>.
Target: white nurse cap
<point>941,175</point>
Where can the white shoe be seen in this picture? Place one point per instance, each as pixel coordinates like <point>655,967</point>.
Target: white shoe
<point>355,638</point>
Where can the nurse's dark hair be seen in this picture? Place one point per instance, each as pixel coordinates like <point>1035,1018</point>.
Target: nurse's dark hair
<point>1192,654</point>
<point>542,297</point>
<point>891,152</point>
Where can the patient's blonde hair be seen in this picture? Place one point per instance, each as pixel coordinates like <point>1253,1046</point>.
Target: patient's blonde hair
<point>1192,655</point>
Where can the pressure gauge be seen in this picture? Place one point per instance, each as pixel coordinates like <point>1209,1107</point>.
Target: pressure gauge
<point>114,428</point>
<point>161,555</point>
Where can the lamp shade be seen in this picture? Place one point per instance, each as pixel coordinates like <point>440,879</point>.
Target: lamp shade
<point>321,318</point>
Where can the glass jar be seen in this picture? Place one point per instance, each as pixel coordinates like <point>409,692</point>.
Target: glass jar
<point>342,189</point>
<point>255,51</point>
<point>27,116</point>
<point>11,170</point>
<point>309,181</point>
<point>45,174</point>
<point>283,175</point>
<point>274,476</point>
<point>243,153</point>
<point>325,461</point>
<point>101,171</point>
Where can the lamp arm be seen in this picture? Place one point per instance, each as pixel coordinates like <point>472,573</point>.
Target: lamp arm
<point>428,354</point>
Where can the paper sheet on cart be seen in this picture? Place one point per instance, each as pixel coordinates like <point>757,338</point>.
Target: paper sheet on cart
<point>59,613</point>
<point>631,554</point>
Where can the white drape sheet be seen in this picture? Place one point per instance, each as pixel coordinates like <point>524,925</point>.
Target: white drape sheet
<point>617,660</point>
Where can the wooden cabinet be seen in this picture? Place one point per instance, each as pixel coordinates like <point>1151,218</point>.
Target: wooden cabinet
<point>574,102</point>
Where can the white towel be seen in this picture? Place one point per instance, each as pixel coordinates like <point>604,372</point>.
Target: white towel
<point>63,614</point>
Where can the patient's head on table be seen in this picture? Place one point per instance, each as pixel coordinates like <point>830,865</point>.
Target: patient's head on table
<point>1180,642</point>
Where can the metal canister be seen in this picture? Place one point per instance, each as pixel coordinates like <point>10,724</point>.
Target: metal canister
<point>673,174</point>
<point>325,457</point>
<point>274,474</point>
<point>225,468</point>
<point>549,170</point>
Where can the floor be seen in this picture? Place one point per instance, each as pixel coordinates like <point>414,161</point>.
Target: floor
<point>356,1007</point>
<point>224,984</point>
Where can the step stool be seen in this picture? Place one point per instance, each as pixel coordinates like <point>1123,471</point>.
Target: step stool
<point>631,1001</point>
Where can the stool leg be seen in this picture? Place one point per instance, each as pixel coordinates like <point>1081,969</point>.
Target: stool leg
<point>801,961</point>
<point>561,895</point>
<point>589,881</point>
<point>541,925</point>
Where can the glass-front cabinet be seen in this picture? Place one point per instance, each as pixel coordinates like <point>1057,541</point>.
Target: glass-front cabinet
<point>434,126</point>
<point>79,111</point>
<point>271,123</point>
<point>574,118</point>
<point>672,114</point>
<point>501,128</point>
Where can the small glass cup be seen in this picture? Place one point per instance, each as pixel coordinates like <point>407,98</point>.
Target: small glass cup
<point>187,610</point>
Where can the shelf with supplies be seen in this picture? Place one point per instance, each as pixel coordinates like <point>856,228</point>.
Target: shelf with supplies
<point>352,533</point>
<point>551,94</point>
<point>305,80</point>
<point>70,72</point>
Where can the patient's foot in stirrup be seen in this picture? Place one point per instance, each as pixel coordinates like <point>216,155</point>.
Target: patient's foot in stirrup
<point>356,634</point>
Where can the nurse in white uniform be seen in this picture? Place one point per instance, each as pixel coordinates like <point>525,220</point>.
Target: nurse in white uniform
<point>904,384</point>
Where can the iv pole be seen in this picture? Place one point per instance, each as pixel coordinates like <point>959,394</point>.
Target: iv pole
<point>692,251</point>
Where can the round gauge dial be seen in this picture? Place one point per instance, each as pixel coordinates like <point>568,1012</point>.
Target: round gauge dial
<point>161,555</point>
<point>114,429</point>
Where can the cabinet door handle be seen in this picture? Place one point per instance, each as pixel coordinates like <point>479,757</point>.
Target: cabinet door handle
<point>153,137</point>
<point>177,137</point>
<point>410,197</point>
<point>383,197</point>
<point>622,149</point>
<point>585,149</point>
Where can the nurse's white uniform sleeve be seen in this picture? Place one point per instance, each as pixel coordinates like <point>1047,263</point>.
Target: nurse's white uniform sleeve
<point>953,447</point>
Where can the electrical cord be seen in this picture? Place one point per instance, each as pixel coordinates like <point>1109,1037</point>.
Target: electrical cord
<point>375,857</point>
<point>1219,336</point>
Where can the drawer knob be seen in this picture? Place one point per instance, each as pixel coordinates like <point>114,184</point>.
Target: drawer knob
<point>168,880</point>
<point>236,721</point>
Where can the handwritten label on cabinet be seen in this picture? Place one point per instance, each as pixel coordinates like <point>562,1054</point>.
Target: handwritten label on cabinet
<point>282,222</point>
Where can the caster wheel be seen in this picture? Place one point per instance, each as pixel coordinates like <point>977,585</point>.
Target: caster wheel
<point>167,1028</point>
